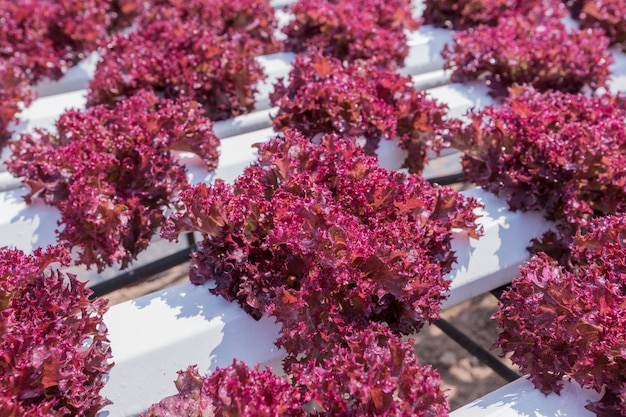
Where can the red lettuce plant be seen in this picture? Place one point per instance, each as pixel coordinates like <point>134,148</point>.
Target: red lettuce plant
<point>111,172</point>
<point>327,223</point>
<point>350,30</point>
<point>41,39</point>
<point>180,59</point>
<point>359,101</point>
<point>568,321</point>
<point>54,351</point>
<point>338,250</point>
<point>15,94</point>
<point>236,390</point>
<point>44,38</point>
<point>541,52</point>
<point>556,152</point>
<point>346,255</point>
<point>255,18</point>
<point>609,15</point>
<point>465,14</point>
<point>371,372</point>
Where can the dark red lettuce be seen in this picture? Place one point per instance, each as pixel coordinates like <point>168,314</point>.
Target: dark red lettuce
<point>568,321</point>
<point>236,390</point>
<point>362,102</point>
<point>255,18</point>
<point>180,59</point>
<point>541,52</point>
<point>54,351</point>
<point>350,30</point>
<point>45,38</point>
<point>111,172</point>
<point>609,15</point>
<point>465,14</point>
<point>309,221</point>
<point>42,39</point>
<point>345,255</point>
<point>371,372</point>
<point>556,152</point>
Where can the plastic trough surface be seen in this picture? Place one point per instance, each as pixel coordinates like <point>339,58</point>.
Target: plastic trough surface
<point>154,336</point>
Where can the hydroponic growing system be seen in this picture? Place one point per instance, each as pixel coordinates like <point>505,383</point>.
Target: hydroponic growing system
<point>292,152</point>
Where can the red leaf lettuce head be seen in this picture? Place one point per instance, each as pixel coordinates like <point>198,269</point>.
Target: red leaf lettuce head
<point>360,101</point>
<point>568,321</point>
<point>325,222</point>
<point>255,18</point>
<point>372,372</point>
<point>556,152</point>
<point>370,30</point>
<point>608,15</point>
<point>45,38</point>
<point>542,52</point>
<point>54,351</point>
<point>466,14</point>
<point>346,256</point>
<point>236,390</point>
<point>111,172</point>
<point>180,59</point>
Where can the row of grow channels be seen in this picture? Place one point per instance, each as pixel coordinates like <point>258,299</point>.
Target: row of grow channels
<point>322,65</point>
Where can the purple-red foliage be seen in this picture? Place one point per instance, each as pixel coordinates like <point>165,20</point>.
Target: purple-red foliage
<point>180,59</point>
<point>540,51</point>
<point>256,18</point>
<point>371,372</point>
<point>326,228</point>
<point>240,391</point>
<point>465,14</point>
<point>569,321</point>
<point>15,94</point>
<point>359,101</point>
<point>351,29</point>
<point>111,172</point>
<point>192,400</point>
<point>42,39</point>
<point>54,351</point>
<point>236,390</point>
<point>609,15</point>
<point>345,255</point>
<point>45,38</point>
<point>560,153</point>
